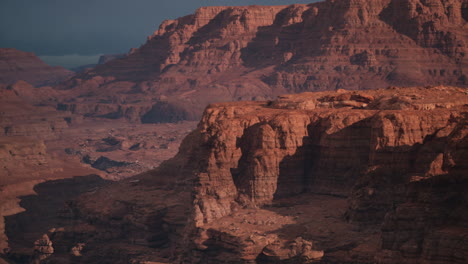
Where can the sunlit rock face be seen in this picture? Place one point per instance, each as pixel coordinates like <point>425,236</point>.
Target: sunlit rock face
<point>326,143</point>
<point>369,176</point>
<point>258,52</point>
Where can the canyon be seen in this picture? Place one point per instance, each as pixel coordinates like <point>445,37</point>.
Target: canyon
<point>39,144</point>
<point>342,139</point>
<point>324,177</point>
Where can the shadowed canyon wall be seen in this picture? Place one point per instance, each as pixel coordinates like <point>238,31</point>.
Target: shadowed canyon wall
<point>385,169</point>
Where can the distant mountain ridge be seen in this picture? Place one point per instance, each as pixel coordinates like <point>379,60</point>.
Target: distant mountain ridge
<point>16,65</point>
<point>259,52</point>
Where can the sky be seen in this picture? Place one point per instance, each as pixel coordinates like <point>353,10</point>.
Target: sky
<point>71,33</point>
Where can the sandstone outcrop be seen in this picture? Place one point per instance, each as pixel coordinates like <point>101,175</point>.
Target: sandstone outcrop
<point>374,176</point>
<point>18,65</point>
<point>259,52</point>
<point>346,177</point>
<point>43,248</point>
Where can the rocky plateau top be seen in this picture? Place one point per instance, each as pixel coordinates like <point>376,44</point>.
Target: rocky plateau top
<point>335,177</point>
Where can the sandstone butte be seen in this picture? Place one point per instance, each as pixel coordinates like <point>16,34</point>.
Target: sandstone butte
<point>16,65</point>
<point>333,177</point>
<point>223,54</point>
<point>345,177</point>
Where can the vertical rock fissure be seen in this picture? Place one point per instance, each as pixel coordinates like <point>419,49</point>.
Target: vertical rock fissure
<point>253,169</point>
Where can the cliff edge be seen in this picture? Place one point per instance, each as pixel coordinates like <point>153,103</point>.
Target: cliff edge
<point>348,176</point>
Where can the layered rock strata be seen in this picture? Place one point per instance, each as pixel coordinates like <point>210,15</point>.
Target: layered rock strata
<point>259,52</point>
<point>302,178</point>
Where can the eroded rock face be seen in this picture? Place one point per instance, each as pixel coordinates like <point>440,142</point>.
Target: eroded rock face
<point>272,152</point>
<point>43,248</point>
<point>18,65</point>
<point>428,222</point>
<point>304,177</point>
<point>259,52</point>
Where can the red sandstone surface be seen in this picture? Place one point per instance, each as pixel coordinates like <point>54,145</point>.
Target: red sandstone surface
<point>333,177</point>
<point>259,52</point>
<point>39,144</point>
<point>330,177</point>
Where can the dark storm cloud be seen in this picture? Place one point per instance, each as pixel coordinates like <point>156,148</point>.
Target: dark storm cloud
<point>90,27</point>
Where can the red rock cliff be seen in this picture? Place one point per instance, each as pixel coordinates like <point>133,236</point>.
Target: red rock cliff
<point>258,52</point>
<point>257,179</point>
